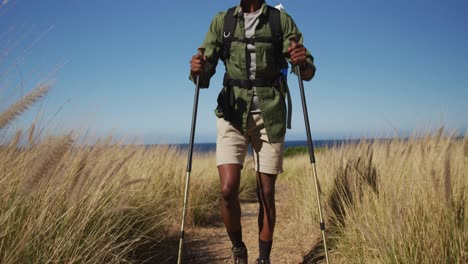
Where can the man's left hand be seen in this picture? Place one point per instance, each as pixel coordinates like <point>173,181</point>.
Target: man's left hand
<point>297,53</point>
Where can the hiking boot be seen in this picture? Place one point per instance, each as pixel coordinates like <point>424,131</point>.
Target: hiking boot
<point>239,255</point>
<point>262,261</point>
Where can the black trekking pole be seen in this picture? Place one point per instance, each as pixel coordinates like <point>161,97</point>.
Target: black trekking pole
<point>201,52</point>
<point>310,145</point>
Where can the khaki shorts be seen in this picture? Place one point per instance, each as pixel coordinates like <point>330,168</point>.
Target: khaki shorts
<point>231,145</point>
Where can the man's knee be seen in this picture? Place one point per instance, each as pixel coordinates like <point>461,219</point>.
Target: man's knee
<point>268,193</point>
<point>266,187</point>
<point>229,193</point>
<point>230,180</point>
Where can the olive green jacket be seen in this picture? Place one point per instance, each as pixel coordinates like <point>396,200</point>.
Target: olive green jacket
<point>271,99</point>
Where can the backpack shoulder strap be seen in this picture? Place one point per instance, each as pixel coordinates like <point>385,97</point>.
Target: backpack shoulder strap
<point>274,20</point>
<point>229,27</point>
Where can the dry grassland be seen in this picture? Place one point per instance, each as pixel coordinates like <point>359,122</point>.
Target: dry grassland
<point>393,201</point>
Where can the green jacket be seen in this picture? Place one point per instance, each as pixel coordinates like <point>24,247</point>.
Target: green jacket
<point>272,100</point>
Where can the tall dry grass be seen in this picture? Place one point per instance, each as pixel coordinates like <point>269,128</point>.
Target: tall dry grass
<point>63,202</point>
<point>104,203</point>
<point>390,201</point>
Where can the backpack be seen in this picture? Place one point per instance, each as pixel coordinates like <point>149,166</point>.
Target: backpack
<point>230,23</point>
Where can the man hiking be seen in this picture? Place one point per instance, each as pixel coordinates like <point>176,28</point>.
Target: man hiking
<point>253,41</point>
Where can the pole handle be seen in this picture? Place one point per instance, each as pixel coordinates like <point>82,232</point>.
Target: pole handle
<point>201,51</point>
<point>293,40</point>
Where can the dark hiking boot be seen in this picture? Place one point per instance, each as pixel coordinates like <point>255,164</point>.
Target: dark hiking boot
<point>262,261</point>
<point>239,255</point>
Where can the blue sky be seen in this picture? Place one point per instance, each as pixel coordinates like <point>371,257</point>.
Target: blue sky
<point>383,67</point>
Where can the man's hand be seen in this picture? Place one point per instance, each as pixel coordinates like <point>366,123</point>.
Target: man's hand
<point>197,64</point>
<point>297,53</point>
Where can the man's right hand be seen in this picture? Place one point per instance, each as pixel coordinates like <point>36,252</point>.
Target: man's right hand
<point>197,64</point>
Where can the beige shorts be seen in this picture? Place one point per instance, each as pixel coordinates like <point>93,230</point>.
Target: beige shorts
<point>231,145</point>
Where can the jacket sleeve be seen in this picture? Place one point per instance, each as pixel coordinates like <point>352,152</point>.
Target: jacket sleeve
<point>213,47</point>
<point>290,29</point>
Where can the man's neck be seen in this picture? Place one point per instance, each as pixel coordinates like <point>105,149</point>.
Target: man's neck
<point>251,6</point>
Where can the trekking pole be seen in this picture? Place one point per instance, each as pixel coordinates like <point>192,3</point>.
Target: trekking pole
<point>310,145</point>
<point>201,52</point>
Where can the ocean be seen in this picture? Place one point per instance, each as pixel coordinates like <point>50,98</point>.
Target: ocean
<point>211,147</point>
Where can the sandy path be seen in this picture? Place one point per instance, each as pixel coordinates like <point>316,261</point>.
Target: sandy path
<point>212,245</point>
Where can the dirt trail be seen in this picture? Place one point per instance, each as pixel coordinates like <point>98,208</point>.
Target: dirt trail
<point>212,245</point>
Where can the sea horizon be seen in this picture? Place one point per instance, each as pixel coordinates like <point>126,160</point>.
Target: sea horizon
<point>211,146</point>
